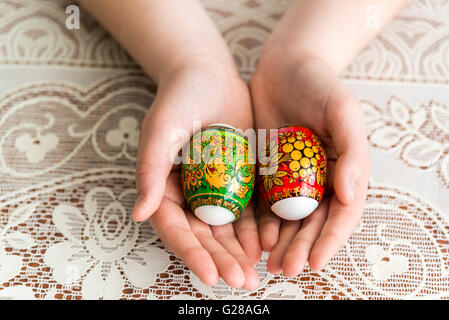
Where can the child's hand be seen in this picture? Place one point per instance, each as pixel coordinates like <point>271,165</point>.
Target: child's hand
<point>208,94</point>
<point>307,92</point>
<point>179,47</point>
<point>297,81</point>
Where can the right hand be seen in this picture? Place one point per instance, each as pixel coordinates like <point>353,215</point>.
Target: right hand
<point>211,94</point>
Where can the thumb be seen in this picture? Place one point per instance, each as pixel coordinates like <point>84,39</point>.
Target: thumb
<point>157,151</point>
<point>347,128</point>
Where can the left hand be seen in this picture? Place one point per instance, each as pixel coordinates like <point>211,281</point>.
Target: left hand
<point>306,91</point>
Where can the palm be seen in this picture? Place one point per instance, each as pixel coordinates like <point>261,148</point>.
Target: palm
<point>210,252</point>
<point>308,93</point>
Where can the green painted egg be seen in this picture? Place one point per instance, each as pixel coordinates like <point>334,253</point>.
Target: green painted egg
<point>218,174</point>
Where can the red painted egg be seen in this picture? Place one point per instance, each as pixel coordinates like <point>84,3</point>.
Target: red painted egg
<point>293,174</point>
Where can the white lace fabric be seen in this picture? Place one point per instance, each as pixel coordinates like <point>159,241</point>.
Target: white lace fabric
<point>70,107</point>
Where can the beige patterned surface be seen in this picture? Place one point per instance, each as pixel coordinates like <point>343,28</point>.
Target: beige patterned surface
<point>71,102</point>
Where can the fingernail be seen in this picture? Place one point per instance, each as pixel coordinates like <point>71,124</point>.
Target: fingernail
<point>134,215</point>
<point>350,189</point>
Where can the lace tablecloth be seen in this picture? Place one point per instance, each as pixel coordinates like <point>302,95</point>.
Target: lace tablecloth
<point>67,179</point>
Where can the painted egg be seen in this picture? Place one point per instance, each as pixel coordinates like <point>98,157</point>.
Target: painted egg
<point>293,177</point>
<point>218,174</point>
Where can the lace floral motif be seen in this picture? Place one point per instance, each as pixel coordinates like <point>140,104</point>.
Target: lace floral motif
<point>68,151</point>
<point>10,265</point>
<point>84,120</point>
<point>103,242</point>
<point>98,252</point>
<point>221,291</point>
<point>413,47</point>
<point>420,134</point>
<point>127,133</point>
<point>245,27</point>
<point>385,264</point>
<point>36,148</point>
<point>34,33</point>
<point>93,249</point>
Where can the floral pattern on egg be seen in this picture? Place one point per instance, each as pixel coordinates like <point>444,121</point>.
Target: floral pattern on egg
<point>216,174</point>
<point>296,166</point>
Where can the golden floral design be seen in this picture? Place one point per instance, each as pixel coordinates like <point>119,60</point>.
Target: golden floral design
<point>304,161</point>
<point>215,172</point>
<point>321,175</point>
<point>291,136</point>
<point>275,179</point>
<point>305,157</point>
<point>218,168</point>
<point>270,170</point>
<point>239,189</point>
<point>192,179</point>
<point>296,166</point>
<point>296,192</point>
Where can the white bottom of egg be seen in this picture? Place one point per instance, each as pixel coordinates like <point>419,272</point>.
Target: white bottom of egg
<point>294,208</point>
<point>214,215</point>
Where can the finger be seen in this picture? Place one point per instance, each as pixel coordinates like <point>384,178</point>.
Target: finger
<point>246,230</point>
<point>154,162</point>
<point>298,251</point>
<point>347,128</point>
<point>171,224</point>
<point>287,233</point>
<point>330,177</point>
<point>228,267</point>
<point>269,225</point>
<point>225,235</point>
<point>173,189</point>
<point>341,221</point>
